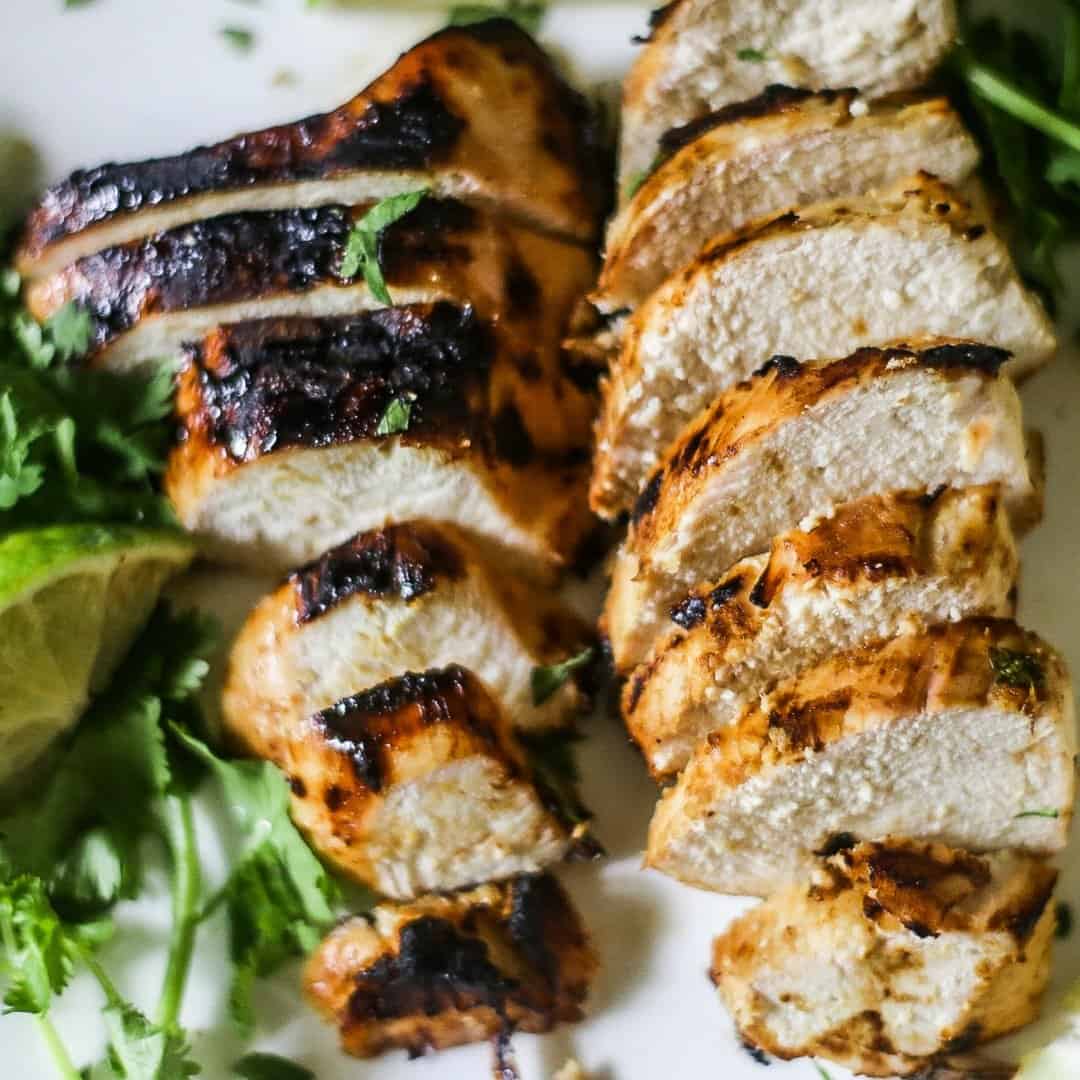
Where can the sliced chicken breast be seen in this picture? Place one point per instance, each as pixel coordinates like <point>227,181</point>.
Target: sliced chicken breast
<point>785,449</point>
<point>445,970</point>
<point>393,600</point>
<point>882,566</point>
<point>964,735</point>
<point>784,148</point>
<point>476,113</point>
<point>895,958</point>
<point>704,54</point>
<point>148,298</point>
<point>297,434</point>
<point>910,261</point>
<point>415,785</point>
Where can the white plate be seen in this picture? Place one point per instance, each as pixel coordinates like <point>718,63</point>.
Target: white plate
<point>123,79</point>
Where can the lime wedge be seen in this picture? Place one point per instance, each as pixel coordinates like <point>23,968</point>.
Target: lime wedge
<point>72,600</point>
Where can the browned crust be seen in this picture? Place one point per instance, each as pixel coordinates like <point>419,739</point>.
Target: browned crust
<point>414,116</point>
<point>781,390</point>
<point>461,969</point>
<point>946,667</point>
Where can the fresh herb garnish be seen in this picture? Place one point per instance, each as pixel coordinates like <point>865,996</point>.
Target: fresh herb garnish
<point>821,1071</point>
<point>1039,813</point>
<point>395,418</point>
<point>239,37</point>
<point>362,246</point>
<point>1017,669</point>
<point>269,1067</point>
<point>551,759</point>
<point>1063,920</point>
<point>547,681</point>
<point>529,16</point>
<point>752,56</point>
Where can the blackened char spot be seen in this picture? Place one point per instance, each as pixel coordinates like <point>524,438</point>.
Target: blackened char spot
<point>269,385</point>
<point>415,130</point>
<point>971,355</point>
<point>841,841</point>
<point>522,290</point>
<point>436,969</point>
<point>512,441</point>
<point>405,561</point>
<point>536,921</point>
<point>689,613</point>
<point>776,98</point>
<point>647,500</point>
<point>967,1040</point>
<point>726,592</point>
<point>657,18</point>
<point>786,367</point>
<point>755,1052</point>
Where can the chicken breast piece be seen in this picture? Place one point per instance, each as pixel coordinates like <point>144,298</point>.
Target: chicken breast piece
<point>964,735</point>
<point>445,970</point>
<point>704,54</point>
<point>146,299</point>
<point>784,148</point>
<point>395,600</point>
<point>787,448</point>
<point>297,434</point>
<point>415,785</point>
<point>896,957</point>
<point>882,566</point>
<point>822,281</point>
<point>430,121</point>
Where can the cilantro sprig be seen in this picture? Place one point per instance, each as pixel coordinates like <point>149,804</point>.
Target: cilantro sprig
<point>529,16</point>
<point>362,246</point>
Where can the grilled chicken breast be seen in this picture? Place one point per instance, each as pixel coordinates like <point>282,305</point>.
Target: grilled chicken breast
<point>415,785</point>
<point>784,148</point>
<point>964,735</point>
<point>879,567</point>
<point>147,298</point>
<point>785,449</point>
<point>445,970</point>
<point>297,434</point>
<point>394,600</point>
<point>817,282</point>
<point>476,113</point>
<point>897,956</point>
<point>704,54</point>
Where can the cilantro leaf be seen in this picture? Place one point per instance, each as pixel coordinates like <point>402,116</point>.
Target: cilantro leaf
<point>37,952</point>
<point>278,897</point>
<point>140,1050</point>
<point>1017,669</point>
<point>529,16</point>
<point>257,1066</point>
<point>69,330</point>
<point>395,418</point>
<point>88,879</point>
<point>362,246</point>
<point>547,681</point>
<point>239,37</point>
<point>1038,813</point>
<point>752,56</point>
<point>551,759</point>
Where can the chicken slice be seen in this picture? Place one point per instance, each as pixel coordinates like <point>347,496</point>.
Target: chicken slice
<point>146,299</point>
<point>445,970</point>
<point>964,735</point>
<point>477,113</point>
<point>415,785</point>
<point>879,567</point>
<point>785,449</point>
<point>704,54</point>
<point>784,148</point>
<point>909,261</point>
<point>895,958</point>
<point>392,600</point>
<point>297,434</point>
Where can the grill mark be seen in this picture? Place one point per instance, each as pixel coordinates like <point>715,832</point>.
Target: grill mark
<point>237,257</point>
<point>647,500</point>
<point>689,613</point>
<point>403,561</point>
<point>366,726</point>
<point>268,385</point>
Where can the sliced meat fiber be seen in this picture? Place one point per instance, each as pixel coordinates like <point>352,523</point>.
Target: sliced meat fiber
<point>909,261</point>
<point>786,449</point>
<point>963,735</point>
<point>395,600</point>
<point>298,434</point>
<point>476,113</point>
<point>705,54</point>
<point>893,958</point>
<point>784,148</point>
<point>879,567</point>
<point>445,970</point>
